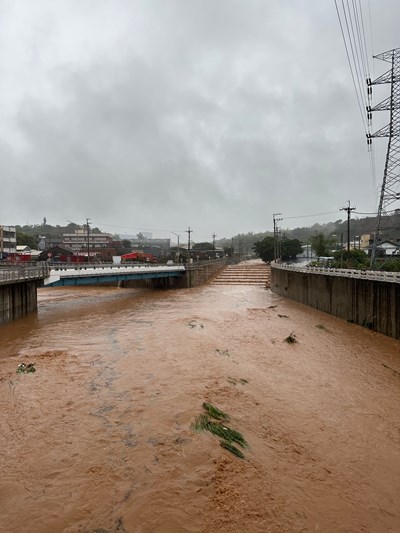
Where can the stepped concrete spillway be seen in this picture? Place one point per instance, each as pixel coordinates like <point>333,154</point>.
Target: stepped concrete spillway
<point>246,273</point>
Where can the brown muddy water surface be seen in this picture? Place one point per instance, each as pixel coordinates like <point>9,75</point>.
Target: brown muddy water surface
<point>98,439</point>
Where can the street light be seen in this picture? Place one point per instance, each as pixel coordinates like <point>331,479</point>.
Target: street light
<point>178,236</point>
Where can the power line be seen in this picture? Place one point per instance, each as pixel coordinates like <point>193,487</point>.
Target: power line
<point>313,215</point>
<point>350,66</point>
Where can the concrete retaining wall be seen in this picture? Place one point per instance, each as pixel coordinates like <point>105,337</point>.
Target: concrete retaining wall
<point>200,273</point>
<point>17,299</point>
<point>369,303</point>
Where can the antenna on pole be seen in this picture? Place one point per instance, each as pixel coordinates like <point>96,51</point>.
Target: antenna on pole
<point>390,190</point>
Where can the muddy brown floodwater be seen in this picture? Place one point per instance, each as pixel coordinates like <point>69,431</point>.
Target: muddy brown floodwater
<point>98,439</point>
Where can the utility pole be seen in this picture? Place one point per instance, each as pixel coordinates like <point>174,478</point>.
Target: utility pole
<point>349,210</point>
<point>276,234</point>
<point>188,231</point>
<point>213,238</point>
<point>390,191</point>
<point>88,238</point>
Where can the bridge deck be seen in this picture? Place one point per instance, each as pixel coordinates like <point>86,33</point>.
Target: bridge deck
<point>20,273</point>
<point>94,274</point>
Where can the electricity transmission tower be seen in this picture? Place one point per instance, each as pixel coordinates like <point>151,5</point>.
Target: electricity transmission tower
<point>390,191</point>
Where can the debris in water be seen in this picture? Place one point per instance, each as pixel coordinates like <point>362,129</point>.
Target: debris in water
<point>283,316</point>
<point>26,369</point>
<point>214,412</point>
<point>321,326</point>
<point>194,324</point>
<point>291,339</point>
<point>395,372</point>
<point>231,448</point>
<point>272,306</point>
<point>229,436</point>
<point>222,352</point>
<point>234,381</point>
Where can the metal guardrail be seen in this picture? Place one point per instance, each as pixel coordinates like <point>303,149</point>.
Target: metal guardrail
<point>391,277</point>
<point>22,272</point>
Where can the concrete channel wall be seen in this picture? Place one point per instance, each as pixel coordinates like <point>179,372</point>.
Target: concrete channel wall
<point>370,301</point>
<point>199,273</point>
<point>17,300</point>
<point>18,289</point>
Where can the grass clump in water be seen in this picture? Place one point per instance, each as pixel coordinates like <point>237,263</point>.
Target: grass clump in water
<point>214,412</point>
<point>228,446</point>
<point>229,436</point>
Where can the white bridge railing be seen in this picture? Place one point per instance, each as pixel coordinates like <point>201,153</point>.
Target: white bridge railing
<point>392,277</point>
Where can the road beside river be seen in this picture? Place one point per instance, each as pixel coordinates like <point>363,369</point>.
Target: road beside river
<point>98,439</point>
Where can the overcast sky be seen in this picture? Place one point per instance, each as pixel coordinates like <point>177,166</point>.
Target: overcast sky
<point>164,114</point>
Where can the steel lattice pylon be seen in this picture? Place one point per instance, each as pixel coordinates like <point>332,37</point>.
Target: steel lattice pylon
<point>390,191</point>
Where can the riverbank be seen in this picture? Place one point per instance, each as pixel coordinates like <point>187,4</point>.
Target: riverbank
<point>99,438</point>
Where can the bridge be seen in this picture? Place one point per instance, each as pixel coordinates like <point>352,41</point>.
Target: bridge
<point>19,283</point>
<point>81,274</point>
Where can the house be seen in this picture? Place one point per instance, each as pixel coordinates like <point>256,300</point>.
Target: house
<point>58,254</point>
<point>388,248</point>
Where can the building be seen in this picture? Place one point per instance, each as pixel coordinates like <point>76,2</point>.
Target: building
<point>8,241</point>
<point>78,241</point>
<point>157,247</point>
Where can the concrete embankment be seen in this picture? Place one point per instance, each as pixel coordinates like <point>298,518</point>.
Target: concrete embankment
<point>371,303</point>
<point>17,299</point>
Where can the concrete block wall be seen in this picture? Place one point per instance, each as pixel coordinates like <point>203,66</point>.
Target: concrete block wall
<point>17,299</point>
<point>369,303</point>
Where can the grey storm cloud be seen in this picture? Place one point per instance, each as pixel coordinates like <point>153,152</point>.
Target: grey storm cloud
<point>168,113</point>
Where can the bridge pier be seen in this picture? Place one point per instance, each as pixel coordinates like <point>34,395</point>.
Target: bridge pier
<point>17,299</point>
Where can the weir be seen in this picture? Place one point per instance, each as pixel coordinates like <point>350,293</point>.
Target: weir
<point>367,298</point>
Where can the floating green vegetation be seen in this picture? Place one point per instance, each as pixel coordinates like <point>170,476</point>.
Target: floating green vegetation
<point>231,448</point>
<point>291,339</point>
<point>214,412</point>
<point>26,369</point>
<point>229,437</point>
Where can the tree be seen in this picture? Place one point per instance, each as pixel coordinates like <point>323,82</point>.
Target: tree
<point>320,245</point>
<point>290,248</point>
<point>202,246</point>
<point>26,240</point>
<point>265,249</point>
<point>350,259</point>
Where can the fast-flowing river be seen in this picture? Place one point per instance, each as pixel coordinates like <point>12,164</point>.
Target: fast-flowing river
<point>98,439</point>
